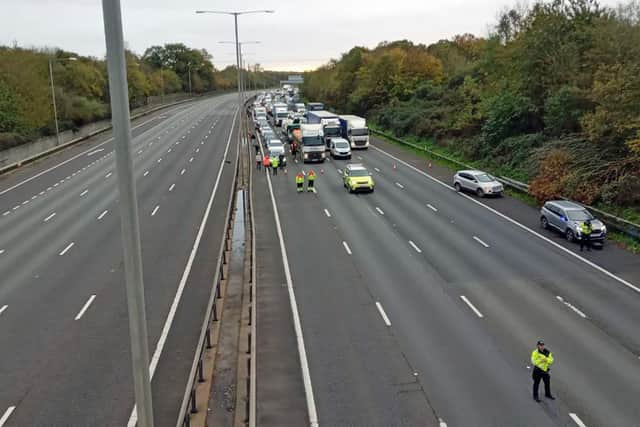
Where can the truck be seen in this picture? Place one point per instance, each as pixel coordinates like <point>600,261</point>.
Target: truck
<point>312,143</point>
<point>315,106</point>
<point>279,113</point>
<point>330,124</point>
<point>354,129</point>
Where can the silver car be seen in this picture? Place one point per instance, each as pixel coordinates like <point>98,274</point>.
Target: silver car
<point>567,217</point>
<point>340,148</point>
<point>479,182</point>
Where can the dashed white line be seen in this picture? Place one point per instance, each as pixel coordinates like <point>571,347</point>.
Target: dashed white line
<point>34,197</point>
<point>327,213</point>
<point>139,151</point>
<point>414,246</point>
<point>6,213</point>
<point>477,239</point>
<point>169,150</point>
<point>577,419</point>
<point>160,159</point>
<point>41,193</point>
<point>84,192</point>
<point>145,173</point>
<point>108,175</point>
<point>475,310</point>
<point>172,187</point>
<point>346,247</point>
<point>1,251</point>
<point>376,169</point>
<point>3,308</point>
<point>380,211</point>
<point>6,415</point>
<point>182,171</point>
<point>155,210</point>
<point>191,160</point>
<point>399,185</point>
<point>69,246</point>
<point>383,314</point>
<point>197,150</point>
<point>49,217</point>
<point>16,207</point>
<point>102,214</point>
<point>442,423</point>
<point>571,306</point>
<point>25,202</point>
<point>85,307</point>
<point>433,208</point>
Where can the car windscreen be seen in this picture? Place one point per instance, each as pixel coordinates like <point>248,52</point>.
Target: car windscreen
<point>312,140</point>
<point>328,131</point>
<point>579,215</point>
<point>341,144</point>
<point>359,172</point>
<point>360,132</point>
<point>485,178</point>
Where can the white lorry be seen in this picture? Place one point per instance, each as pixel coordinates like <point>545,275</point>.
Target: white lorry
<point>312,143</point>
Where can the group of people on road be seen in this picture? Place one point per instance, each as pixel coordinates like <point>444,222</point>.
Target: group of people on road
<point>300,178</point>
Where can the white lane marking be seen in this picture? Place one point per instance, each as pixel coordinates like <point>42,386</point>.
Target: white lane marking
<point>102,214</point>
<point>191,160</point>
<point>442,423</point>
<point>6,213</point>
<point>34,197</point>
<point>414,246</point>
<point>383,314</point>
<point>3,308</point>
<point>206,136</point>
<point>139,151</point>
<point>169,150</point>
<point>160,159</point>
<point>85,307</point>
<point>49,188</point>
<point>145,173</point>
<point>69,246</point>
<point>183,137</point>
<point>202,143</point>
<point>16,207</point>
<point>133,418</point>
<point>399,185</point>
<point>346,247</point>
<point>477,239</point>
<point>327,213</point>
<point>380,211</point>
<point>84,192</point>
<point>95,151</point>
<point>433,208</point>
<point>517,224</point>
<point>197,150</point>
<point>182,171</point>
<point>577,419</point>
<point>25,202</point>
<point>376,169</point>
<point>172,187</point>
<point>56,184</point>
<point>359,158</point>
<point>6,415</point>
<point>49,217</point>
<point>475,310</point>
<point>571,306</point>
<point>108,175</point>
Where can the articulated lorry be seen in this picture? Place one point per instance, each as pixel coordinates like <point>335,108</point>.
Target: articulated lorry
<point>330,124</point>
<point>311,143</point>
<point>354,129</point>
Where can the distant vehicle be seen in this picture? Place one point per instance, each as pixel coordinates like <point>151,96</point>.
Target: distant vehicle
<point>315,106</point>
<point>340,148</point>
<point>280,113</point>
<point>330,124</point>
<point>355,177</point>
<point>300,108</point>
<point>354,129</point>
<point>312,143</point>
<point>268,135</point>
<point>479,182</point>
<point>567,217</point>
<point>259,112</point>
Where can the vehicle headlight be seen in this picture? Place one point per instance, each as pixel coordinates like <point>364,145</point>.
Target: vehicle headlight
<point>306,156</point>
<point>604,228</point>
<point>322,155</point>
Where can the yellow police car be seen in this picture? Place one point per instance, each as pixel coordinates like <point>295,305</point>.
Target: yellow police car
<point>356,177</point>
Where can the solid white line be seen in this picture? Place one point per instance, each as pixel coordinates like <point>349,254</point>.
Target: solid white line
<point>145,173</point>
<point>304,365</point>
<point>517,224</point>
<point>108,175</point>
<point>49,217</point>
<point>172,187</point>
<point>399,185</point>
<point>346,247</point>
<point>327,213</point>
<point>3,308</point>
<point>415,247</point>
<point>6,415</point>
<point>379,211</point>
<point>84,192</point>
<point>102,214</point>
<point>383,314</point>
<point>85,307</point>
<point>182,171</point>
<point>133,418</point>
<point>69,246</point>
<point>577,419</point>
<point>432,207</point>
<point>477,239</point>
<point>475,310</point>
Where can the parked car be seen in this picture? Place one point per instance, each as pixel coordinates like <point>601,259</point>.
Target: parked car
<point>479,182</point>
<point>567,217</point>
<point>340,148</point>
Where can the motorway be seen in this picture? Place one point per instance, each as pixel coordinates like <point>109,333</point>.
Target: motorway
<point>64,332</point>
<point>421,306</point>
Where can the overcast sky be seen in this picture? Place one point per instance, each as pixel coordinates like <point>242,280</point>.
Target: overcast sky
<point>301,35</point>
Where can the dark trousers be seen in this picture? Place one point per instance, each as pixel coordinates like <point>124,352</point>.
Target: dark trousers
<point>585,241</point>
<point>539,374</point>
<point>258,164</point>
<point>275,170</point>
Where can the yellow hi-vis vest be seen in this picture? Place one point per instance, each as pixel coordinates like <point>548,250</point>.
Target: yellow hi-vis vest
<point>585,229</point>
<point>541,361</point>
<point>299,179</point>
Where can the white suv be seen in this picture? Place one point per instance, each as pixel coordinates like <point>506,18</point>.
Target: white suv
<point>479,182</point>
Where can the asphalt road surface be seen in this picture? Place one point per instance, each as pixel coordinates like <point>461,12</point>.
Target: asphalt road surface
<point>419,306</point>
<point>64,337</point>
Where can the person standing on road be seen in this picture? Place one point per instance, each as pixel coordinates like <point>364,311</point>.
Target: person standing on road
<point>299,182</point>
<point>266,162</point>
<point>274,164</point>
<point>585,238</point>
<point>258,160</point>
<point>254,141</point>
<point>281,160</point>
<point>541,358</point>
<point>310,180</point>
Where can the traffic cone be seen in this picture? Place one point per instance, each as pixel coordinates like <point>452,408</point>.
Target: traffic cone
<point>429,165</point>
<point>394,166</point>
<point>321,171</point>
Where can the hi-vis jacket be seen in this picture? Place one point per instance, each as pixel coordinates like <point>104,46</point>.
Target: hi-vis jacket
<point>542,361</point>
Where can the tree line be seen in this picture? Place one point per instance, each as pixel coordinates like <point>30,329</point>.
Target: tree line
<point>81,85</point>
<point>551,96</point>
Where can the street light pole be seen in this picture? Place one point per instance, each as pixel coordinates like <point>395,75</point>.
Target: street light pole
<point>130,227</point>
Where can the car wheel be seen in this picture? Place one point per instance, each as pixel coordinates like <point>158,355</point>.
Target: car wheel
<point>570,236</point>
<point>544,223</point>
<point>457,186</point>
<point>479,192</point>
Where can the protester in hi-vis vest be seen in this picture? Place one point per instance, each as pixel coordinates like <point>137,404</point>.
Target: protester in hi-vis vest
<point>310,180</point>
<point>542,359</point>
<point>299,182</point>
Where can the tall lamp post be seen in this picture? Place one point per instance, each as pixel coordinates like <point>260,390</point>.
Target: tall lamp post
<point>235,18</point>
<point>53,92</point>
